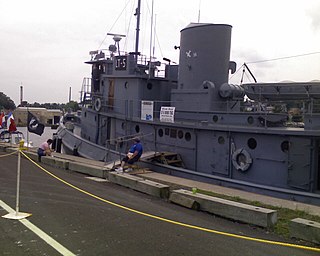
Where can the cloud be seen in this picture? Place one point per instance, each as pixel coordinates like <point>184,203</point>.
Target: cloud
<point>313,14</point>
<point>44,44</point>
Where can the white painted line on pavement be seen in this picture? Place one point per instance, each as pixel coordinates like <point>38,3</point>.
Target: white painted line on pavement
<point>49,240</point>
<point>97,179</point>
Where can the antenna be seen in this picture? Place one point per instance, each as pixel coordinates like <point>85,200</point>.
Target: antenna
<point>138,28</point>
<point>151,37</point>
<point>116,38</point>
<point>199,11</point>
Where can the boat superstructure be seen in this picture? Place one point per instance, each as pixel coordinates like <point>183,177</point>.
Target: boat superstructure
<point>235,135</point>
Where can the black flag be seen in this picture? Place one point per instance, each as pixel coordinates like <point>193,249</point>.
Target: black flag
<point>34,125</point>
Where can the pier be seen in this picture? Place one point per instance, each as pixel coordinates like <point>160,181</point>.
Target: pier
<point>86,213</point>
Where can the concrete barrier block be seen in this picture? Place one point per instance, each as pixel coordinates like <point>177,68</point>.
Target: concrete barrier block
<point>184,201</point>
<point>233,210</point>
<point>55,162</point>
<point>11,149</point>
<point>91,170</point>
<point>153,188</point>
<point>305,229</point>
<point>32,155</point>
<point>3,147</point>
<point>124,179</point>
<point>139,184</point>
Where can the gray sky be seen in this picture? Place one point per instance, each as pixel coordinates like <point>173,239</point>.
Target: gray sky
<point>44,44</point>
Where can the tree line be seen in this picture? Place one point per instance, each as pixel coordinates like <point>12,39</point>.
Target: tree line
<point>7,103</point>
<point>73,105</point>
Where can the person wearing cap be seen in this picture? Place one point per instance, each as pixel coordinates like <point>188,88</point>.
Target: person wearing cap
<point>133,154</point>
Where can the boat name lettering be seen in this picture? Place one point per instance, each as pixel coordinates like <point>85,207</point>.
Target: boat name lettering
<point>121,62</point>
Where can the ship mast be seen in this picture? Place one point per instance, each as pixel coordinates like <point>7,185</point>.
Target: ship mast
<point>137,28</point>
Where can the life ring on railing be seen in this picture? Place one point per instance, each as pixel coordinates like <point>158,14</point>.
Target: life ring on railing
<point>97,104</point>
<point>241,159</point>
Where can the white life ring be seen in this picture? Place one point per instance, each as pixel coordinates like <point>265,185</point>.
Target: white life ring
<point>241,159</point>
<point>97,104</point>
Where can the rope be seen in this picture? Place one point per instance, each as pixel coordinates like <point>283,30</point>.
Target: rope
<point>282,58</point>
<point>9,154</point>
<point>172,221</point>
<point>113,25</point>
<point>129,137</point>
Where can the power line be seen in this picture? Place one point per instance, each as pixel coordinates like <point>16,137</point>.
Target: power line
<point>282,58</point>
<point>114,24</point>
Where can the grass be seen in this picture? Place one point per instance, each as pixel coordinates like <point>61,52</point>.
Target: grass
<point>284,215</point>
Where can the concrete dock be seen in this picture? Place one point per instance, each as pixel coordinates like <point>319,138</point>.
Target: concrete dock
<point>160,185</point>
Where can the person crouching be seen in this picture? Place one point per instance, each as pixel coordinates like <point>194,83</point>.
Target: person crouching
<point>44,149</point>
<point>133,154</point>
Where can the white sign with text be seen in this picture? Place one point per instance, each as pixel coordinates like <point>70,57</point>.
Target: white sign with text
<point>147,110</point>
<point>167,114</point>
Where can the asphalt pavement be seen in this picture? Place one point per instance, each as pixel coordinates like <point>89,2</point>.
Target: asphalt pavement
<point>82,216</point>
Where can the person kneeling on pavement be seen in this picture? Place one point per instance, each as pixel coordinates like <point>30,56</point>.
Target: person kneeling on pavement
<point>44,149</point>
<point>133,155</point>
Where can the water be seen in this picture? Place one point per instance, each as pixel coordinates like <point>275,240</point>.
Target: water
<point>36,139</point>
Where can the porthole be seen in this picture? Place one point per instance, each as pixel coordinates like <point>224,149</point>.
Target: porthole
<point>180,134</point>
<point>126,85</point>
<point>252,143</point>
<point>166,131</point>
<point>250,120</point>
<point>187,136</point>
<point>285,146</point>
<point>123,125</point>
<point>137,128</point>
<point>149,86</point>
<point>215,118</point>
<point>221,140</point>
<point>160,133</point>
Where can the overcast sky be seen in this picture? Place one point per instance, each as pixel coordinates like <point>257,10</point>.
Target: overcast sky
<point>44,44</point>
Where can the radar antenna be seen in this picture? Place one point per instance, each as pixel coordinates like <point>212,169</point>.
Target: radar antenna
<point>116,38</point>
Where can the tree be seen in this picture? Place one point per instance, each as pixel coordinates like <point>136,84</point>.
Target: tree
<point>73,105</point>
<point>6,102</point>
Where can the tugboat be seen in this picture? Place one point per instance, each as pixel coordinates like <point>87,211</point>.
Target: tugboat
<point>195,123</point>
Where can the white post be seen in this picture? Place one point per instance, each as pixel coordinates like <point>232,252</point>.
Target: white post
<point>18,181</point>
<point>27,128</point>
<point>18,215</point>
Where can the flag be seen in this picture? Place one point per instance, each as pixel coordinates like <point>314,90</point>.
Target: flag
<point>34,125</point>
<point>2,120</point>
<point>11,125</point>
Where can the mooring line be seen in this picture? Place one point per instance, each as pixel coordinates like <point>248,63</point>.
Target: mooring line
<point>265,241</point>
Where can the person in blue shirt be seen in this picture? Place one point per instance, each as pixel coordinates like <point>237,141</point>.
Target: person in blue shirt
<point>133,154</point>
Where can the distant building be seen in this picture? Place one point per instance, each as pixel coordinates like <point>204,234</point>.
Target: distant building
<point>45,116</point>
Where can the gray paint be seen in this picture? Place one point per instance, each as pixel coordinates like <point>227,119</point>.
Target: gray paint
<point>213,130</point>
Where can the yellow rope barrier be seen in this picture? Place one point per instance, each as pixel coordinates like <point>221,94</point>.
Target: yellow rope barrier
<point>9,154</point>
<point>172,221</point>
